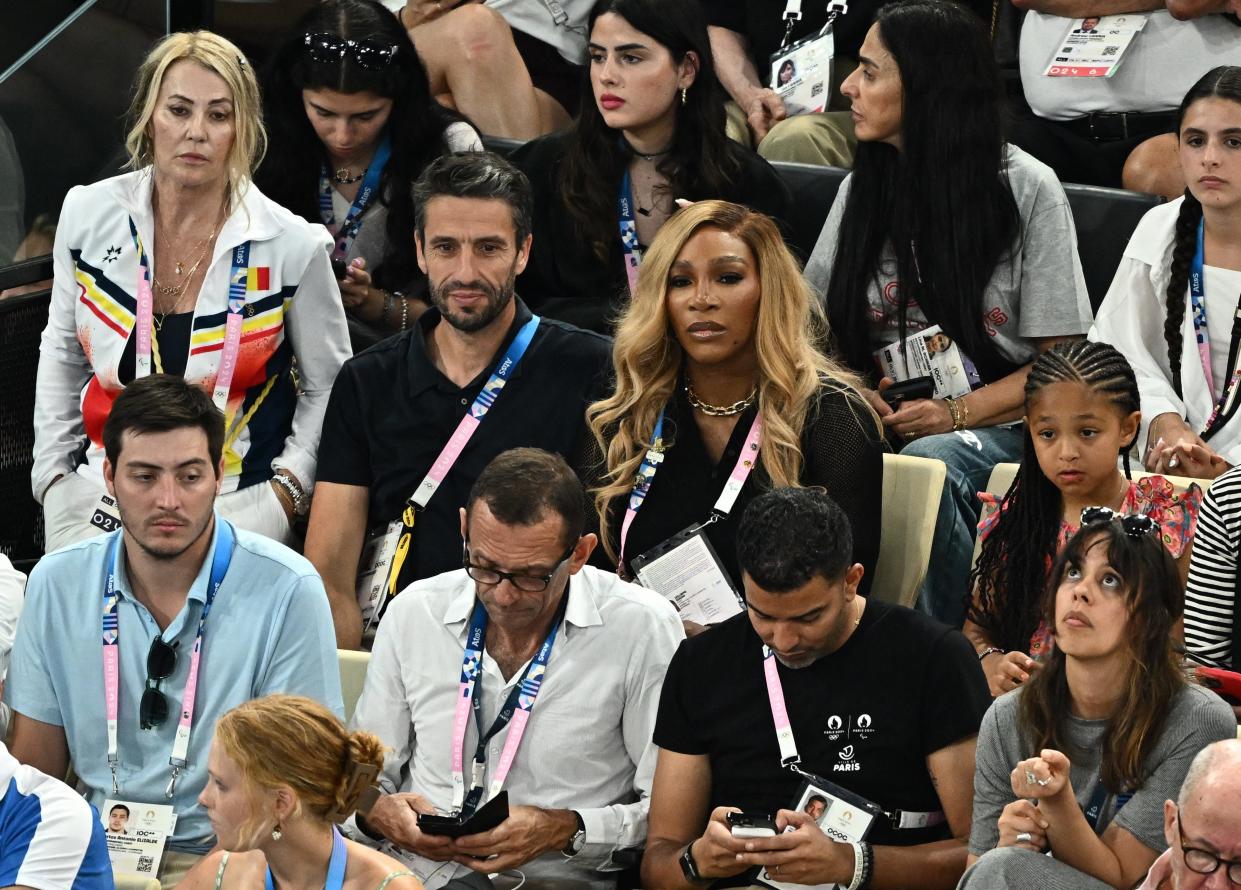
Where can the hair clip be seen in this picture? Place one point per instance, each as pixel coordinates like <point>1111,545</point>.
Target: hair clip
<point>1135,524</point>
<point>359,777</point>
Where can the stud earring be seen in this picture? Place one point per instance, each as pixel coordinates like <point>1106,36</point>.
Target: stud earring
<point>276,833</point>
<point>684,95</point>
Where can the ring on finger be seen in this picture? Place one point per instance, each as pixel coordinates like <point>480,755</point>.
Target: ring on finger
<point>1043,783</point>
<point>1031,779</point>
<point>1024,837</point>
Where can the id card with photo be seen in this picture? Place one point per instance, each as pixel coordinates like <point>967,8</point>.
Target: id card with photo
<point>136,834</point>
<point>687,572</point>
<point>930,353</point>
<point>377,555</point>
<point>1095,45</point>
<point>845,817</point>
<point>801,73</point>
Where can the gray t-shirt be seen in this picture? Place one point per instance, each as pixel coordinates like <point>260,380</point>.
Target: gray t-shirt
<point>1038,291</point>
<point>1197,718</point>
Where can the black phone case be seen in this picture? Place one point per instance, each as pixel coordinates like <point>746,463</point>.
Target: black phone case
<point>487,817</point>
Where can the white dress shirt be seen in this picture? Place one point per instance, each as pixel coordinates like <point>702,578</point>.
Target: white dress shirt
<point>587,746</point>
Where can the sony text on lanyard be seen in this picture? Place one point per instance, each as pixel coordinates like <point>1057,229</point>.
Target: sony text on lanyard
<point>348,230</point>
<point>629,232</point>
<point>1226,406</point>
<point>515,710</point>
<point>144,323</point>
<point>220,560</point>
<point>452,451</point>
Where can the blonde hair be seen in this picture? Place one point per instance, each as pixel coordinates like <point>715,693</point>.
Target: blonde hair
<point>290,740</point>
<point>221,57</point>
<point>790,333</point>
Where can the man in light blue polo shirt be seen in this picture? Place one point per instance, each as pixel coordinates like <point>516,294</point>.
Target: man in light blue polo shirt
<point>182,581</point>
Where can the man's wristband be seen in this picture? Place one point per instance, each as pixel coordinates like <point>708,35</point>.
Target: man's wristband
<point>863,865</point>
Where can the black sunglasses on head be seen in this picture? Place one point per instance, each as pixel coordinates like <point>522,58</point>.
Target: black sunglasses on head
<point>325,48</point>
<point>1135,524</point>
<point>161,662</point>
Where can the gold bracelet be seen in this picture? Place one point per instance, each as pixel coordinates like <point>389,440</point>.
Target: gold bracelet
<point>959,413</point>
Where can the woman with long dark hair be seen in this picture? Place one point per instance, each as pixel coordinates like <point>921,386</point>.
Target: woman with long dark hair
<point>650,132</point>
<point>943,227</point>
<point>351,125</point>
<point>1171,306</point>
<point>1079,760</point>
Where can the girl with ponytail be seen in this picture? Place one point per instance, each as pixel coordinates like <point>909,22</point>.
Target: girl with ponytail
<point>282,770</point>
<point>1172,308</point>
<point>1081,411</point>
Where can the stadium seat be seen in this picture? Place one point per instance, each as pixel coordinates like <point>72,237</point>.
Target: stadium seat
<point>1104,219</point>
<point>352,677</point>
<point>911,491</point>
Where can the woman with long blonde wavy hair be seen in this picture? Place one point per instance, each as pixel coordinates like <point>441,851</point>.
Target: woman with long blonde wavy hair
<point>719,353</point>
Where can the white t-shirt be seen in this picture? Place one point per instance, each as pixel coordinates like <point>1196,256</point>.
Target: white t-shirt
<point>1159,67</point>
<point>535,18</point>
<point>1132,317</point>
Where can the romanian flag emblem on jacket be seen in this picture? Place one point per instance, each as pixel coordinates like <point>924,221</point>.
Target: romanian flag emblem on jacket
<point>258,278</point>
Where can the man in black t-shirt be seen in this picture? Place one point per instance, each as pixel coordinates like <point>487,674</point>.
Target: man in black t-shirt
<point>881,701</point>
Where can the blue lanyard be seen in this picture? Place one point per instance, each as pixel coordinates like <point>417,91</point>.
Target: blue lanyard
<point>629,232</point>
<point>353,221</point>
<point>521,697</point>
<point>111,657</point>
<point>335,867</point>
<point>1224,409</point>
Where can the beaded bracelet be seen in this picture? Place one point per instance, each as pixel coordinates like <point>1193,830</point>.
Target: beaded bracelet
<point>990,650</point>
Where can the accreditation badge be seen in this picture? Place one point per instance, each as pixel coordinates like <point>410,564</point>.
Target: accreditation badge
<point>801,73</point>
<point>1094,46</point>
<point>136,834</point>
<point>377,555</point>
<point>686,571</point>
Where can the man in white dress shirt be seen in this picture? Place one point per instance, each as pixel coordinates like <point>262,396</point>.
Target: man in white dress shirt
<point>577,652</point>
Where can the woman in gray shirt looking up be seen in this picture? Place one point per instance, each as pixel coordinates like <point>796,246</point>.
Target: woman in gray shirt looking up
<point>1079,761</point>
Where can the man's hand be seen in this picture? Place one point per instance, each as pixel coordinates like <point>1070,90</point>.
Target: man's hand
<point>526,834</point>
<point>802,856</point>
<point>395,816</point>
<point>717,850</point>
<point>763,110</point>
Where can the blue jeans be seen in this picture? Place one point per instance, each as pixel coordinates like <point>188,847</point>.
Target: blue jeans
<point>969,455</point>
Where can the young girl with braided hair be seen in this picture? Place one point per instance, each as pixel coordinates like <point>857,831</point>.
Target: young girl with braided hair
<point>1173,306</point>
<point>282,771</point>
<point>1081,404</point>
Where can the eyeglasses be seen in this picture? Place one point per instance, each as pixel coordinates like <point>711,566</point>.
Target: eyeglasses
<point>1204,862</point>
<point>325,48</point>
<point>528,583</point>
<point>161,662</point>
<point>1135,524</point>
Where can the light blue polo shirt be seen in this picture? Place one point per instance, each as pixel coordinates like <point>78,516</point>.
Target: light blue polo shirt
<point>270,630</point>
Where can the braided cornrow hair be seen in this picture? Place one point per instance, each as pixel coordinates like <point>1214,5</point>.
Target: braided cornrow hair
<point>1008,582</point>
<point>1224,82</point>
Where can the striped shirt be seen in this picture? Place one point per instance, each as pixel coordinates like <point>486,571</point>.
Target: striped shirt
<point>50,838</point>
<point>1211,594</point>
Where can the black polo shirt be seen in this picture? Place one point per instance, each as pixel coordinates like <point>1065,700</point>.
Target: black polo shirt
<point>903,686</point>
<point>391,412</point>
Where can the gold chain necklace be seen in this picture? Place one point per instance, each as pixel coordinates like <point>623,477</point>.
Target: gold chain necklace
<point>179,267</point>
<point>719,410</point>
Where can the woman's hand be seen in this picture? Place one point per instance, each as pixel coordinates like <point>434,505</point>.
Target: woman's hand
<point>1044,777</point>
<point>1022,825</point>
<point>1177,449</point>
<point>1007,671</point>
<point>359,297</point>
<point>920,417</point>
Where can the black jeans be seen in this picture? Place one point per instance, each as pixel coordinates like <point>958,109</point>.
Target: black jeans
<point>1075,157</point>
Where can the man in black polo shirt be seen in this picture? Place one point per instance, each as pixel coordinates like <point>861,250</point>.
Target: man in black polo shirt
<point>395,407</point>
<point>882,701</point>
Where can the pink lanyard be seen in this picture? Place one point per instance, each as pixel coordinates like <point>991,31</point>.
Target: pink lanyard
<point>746,462</point>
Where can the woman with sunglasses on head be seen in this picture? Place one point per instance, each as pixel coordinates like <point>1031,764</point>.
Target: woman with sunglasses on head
<point>184,267</point>
<point>650,133</point>
<point>1079,760</point>
<point>282,772</point>
<point>352,125</point>
<point>1171,306</point>
<point>948,226</point>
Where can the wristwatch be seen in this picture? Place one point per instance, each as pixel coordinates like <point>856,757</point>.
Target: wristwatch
<point>301,502</point>
<point>578,839</point>
<point>689,867</point>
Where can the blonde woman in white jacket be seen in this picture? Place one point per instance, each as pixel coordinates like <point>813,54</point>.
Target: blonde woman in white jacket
<point>183,267</point>
<point>1174,308</point>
